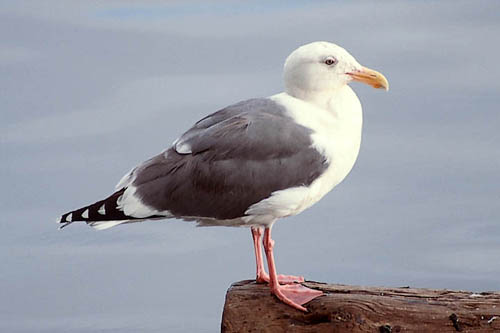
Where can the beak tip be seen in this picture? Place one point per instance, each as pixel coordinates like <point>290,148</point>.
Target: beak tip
<point>370,77</point>
<point>384,83</point>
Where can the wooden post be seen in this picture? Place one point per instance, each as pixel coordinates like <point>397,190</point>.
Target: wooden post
<point>250,307</point>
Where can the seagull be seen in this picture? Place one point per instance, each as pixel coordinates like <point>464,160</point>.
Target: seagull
<point>254,162</point>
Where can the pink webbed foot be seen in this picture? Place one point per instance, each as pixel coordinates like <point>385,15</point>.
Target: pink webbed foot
<point>289,279</point>
<point>295,295</point>
<point>282,279</point>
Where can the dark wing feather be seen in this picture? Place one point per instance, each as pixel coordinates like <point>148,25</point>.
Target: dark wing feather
<point>230,160</point>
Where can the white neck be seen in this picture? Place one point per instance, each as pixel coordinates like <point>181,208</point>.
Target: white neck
<point>325,99</point>
<point>341,102</point>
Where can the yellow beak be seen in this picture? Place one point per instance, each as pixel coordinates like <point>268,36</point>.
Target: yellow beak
<point>371,77</point>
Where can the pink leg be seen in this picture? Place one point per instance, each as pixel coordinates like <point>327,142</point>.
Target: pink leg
<point>294,295</point>
<point>262,276</point>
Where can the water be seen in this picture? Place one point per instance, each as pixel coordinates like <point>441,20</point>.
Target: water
<point>90,90</point>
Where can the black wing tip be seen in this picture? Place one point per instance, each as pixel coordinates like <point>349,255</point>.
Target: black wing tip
<point>64,224</point>
<point>100,211</point>
<point>63,220</point>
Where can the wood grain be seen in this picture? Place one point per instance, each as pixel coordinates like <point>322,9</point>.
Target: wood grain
<point>250,307</point>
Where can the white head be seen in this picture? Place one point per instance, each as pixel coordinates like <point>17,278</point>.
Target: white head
<point>323,67</point>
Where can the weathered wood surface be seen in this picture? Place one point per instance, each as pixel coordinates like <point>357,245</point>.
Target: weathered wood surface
<point>249,307</point>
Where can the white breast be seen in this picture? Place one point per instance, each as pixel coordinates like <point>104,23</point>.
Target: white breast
<point>336,134</point>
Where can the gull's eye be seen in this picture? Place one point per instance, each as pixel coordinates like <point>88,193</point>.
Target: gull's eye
<point>330,61</point>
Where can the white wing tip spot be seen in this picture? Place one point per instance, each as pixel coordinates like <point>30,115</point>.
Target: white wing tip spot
<point>85,214</point>
<point>69,218</point>
<point>102,210</point>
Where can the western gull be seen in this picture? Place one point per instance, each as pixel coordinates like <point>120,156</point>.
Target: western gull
<point>255,161</point>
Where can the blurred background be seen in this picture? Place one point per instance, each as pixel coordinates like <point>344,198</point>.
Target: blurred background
<point>89,89</point>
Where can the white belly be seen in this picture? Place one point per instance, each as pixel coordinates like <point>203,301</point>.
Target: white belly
<point>336,135</point>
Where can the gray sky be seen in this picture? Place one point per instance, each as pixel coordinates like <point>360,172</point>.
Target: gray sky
<point>89,89</point>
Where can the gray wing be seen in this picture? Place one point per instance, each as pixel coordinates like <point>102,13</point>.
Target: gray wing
<point>228,161</point>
